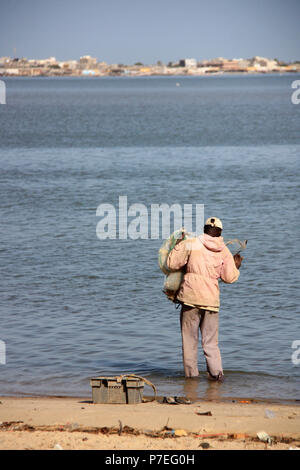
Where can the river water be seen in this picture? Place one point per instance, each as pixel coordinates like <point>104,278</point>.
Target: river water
<point>73,306</point>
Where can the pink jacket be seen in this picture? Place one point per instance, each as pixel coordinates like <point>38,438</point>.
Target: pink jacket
<point>207,260</point>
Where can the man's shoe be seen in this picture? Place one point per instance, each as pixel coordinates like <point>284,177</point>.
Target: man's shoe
<point>216,378</point>
<point>182,400</point>
<point>169,400</point>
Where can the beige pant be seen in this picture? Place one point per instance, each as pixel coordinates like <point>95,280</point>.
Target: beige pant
<point>191,319</point>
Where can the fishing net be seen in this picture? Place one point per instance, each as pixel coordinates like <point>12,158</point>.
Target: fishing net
<point>168,246</point>
<point>236,245</point>
<point>173,279</point>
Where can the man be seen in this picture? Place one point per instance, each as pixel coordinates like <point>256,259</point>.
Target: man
<point>206,260</point>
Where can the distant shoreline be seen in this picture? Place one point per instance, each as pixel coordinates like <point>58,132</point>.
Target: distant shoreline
<point>179,76</point>
<point>91,66</point>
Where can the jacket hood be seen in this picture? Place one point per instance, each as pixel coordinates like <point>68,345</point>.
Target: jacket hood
<point>212,243</point>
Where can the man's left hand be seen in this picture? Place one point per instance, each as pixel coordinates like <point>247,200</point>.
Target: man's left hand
<point>238,260</point>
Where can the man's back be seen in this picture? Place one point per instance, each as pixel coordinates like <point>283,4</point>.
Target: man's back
<point>207,259</point>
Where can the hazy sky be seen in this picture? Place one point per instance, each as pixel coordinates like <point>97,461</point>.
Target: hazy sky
<point>127,31</point>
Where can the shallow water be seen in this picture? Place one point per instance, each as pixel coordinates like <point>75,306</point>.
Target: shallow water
<point>73,306</point>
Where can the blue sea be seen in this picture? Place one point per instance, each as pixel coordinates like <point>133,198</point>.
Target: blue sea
<point>73,306</point>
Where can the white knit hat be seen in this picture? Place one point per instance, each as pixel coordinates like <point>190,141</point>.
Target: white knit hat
<point>214,222</point>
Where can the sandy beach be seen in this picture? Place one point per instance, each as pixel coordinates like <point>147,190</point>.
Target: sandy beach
<point>76,423</point>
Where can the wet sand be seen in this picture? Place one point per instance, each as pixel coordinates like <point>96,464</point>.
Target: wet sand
<point>77,423</point>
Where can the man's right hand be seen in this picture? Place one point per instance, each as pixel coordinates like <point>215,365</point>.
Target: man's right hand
<point>238,260</point>
<point>180,239</point>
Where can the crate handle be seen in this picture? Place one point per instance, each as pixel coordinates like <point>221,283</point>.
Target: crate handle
<point>120,377</point>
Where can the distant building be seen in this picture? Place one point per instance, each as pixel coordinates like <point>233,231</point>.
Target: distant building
<point>217,62</point>
<point>234,65</point>
<point>102,65</point>
<point>88,72</point>
<point>188,63</point>
<point>87,62</point>
<point>69,64</point>
<point>11,71</point>
<point>42,62</point>
<point>4,60</point>
<point>262,63</point>
<point>50,61</point>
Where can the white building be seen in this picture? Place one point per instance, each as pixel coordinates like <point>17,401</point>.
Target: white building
<point>87,62</point>
<point>263,63</point>
<point>188,63</point>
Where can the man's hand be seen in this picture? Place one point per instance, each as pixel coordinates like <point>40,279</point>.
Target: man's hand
<point>180,239</point>
<point>238,260</point>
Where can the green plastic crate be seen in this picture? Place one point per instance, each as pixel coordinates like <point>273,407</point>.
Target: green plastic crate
<point>120,390</point>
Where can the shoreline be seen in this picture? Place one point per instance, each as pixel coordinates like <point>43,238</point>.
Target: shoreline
<point>175,75</point>
<point>78,423</point>
<point>224,400</point>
